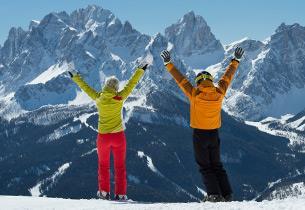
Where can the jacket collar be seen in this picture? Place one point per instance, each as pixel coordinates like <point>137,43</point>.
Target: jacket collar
<point>205,85</point>
<point>109,91</point>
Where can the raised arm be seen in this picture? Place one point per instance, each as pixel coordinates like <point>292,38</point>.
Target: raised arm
<point>132,82</point>
<point>84,86</point>
<point>227,77</point>
<point>180,79</point>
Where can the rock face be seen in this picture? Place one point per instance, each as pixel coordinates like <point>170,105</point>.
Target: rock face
<point>194,42</point>
<point>52,129</point>
<point>13,44</point>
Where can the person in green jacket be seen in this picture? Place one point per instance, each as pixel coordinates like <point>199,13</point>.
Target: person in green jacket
<point>111,136</point>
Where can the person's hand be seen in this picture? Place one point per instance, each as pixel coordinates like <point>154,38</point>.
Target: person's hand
<point>238,53</point>
<point>165,55</point>
<point>72,73</point>
<point>71,70</point>
<point>143,66</point>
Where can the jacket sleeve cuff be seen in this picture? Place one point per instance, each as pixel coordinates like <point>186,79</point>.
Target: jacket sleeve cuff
<point>235,59</point>
<point>165,63</point>
<point>76,77</point>
<point>169,66</point>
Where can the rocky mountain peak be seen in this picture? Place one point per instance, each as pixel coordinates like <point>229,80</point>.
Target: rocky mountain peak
<point>159,41</point>
<point>189,34</point>
<point>188,17</point>
<point>92,13</point>
<point>127,28</point>
<point>33,24</point>
<point>288,37</point>
<point>16,32</point>
<point>283,27</point>
<point>51,18</point>
<point>13,43</point>
<point>192,38</point>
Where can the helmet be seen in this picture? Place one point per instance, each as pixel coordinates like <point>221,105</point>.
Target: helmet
<point>204,75</point>
<point>113,83</point>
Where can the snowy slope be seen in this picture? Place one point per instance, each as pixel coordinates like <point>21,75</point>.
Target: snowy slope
<point>67,135</point>
<point>288,126</point>
<point>25,203</point>
<point>288,187</point>
<point>292,190</point>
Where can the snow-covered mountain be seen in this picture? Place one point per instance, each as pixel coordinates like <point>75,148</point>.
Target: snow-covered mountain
<point>270,81</point>
<point>193,41</point>
<point>101,45</point>
<point>288,187</point>
<point>96,41</point>
<point>292,190</point>
<point>288,126</point>
<point>37,95</point>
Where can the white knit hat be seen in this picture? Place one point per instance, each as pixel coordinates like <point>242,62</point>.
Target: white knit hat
<point>113,83</point>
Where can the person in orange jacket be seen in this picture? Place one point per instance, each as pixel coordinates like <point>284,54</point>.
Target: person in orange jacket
<point>205,107</point>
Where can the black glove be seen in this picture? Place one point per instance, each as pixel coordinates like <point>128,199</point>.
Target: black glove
<point>70,73</point>
<point>73,73</point>
<point>143,66</point>
<point>238,53</point>
<point>71,70</point>
<point>166,57</point>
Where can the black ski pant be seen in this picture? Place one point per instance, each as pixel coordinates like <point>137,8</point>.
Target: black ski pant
<point>207,154</point>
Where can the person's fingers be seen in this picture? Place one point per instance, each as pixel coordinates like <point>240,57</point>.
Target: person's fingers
<point>237,50</point>
<point>167,54</point>
<point>241,52</point>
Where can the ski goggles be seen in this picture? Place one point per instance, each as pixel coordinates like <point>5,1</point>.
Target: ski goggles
<point>204,77</point>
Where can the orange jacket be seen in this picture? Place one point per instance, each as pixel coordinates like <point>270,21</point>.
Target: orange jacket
<point>205,99</point>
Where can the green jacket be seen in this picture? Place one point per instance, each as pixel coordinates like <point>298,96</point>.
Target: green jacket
<point>109,102</point>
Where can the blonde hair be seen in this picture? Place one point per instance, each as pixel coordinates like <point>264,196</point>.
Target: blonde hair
<point>112,82</point>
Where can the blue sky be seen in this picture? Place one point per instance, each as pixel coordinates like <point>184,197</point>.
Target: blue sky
<point>230,20</point>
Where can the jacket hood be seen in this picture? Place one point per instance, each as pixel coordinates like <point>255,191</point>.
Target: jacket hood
<point>108,92</point>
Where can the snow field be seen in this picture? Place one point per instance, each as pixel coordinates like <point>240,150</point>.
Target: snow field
<point>43,203</point>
